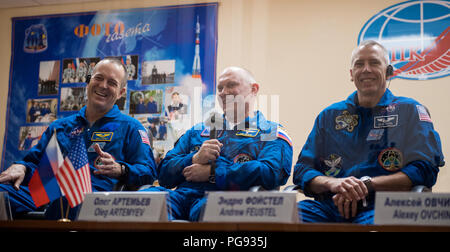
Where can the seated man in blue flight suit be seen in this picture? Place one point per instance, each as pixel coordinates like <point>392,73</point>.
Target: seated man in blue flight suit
<point>248,151</point>
<point>117,145</point>
<point>373,141</point>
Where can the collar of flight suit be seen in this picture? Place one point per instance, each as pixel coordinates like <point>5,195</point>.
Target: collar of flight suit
<point>385,100</point>
<point>256,121</point>
<point>112,113</point>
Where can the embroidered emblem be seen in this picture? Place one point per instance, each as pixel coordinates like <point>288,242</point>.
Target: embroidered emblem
<point>76,132</point>
<point>242,158</point>
<point>91,148</point>
<point>248,133</point>
<point>144,137</point>
<point>346,121</point>
<point>385,121</point>
<point>391,159</point>
<point>281,133</point>
<point>334,162</point>
<point>206,132</point>
<point>375,134</point>
<point>423,114</point>
<point>102,136</point>
<point>391,107</point>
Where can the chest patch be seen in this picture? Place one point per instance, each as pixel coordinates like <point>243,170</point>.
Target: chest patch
<point>76,132</point>
<point>334,163</point>
<point>242,158</point>
<point>375,134</point>
<point>346,121</point>
<point>385,121</point>
<point>206,133</point>
<point>248,133</point>
<point>391,159</point>
<point>102,136</point>
<point>91,148</point>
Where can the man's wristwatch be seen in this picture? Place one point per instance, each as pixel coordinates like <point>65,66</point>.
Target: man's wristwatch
<point>368,182</point>
<point>212,175</point>
<point>123,171</point>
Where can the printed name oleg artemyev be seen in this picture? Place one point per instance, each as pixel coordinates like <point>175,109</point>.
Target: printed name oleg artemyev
<point>127,206</point>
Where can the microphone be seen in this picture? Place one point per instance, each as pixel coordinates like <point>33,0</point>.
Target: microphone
<point>213,131</point>
<point>214,121</point>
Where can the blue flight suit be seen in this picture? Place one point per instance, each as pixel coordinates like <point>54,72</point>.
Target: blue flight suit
<point>152,107</point>
<point>140,108</point>
<point>118,134</point>
<point>32,113</point>
<point>349,140</point>
<point>162,130</point>
<point>249,157</point>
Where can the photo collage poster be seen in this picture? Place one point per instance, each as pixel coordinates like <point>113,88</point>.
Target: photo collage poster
<point>169,53</point>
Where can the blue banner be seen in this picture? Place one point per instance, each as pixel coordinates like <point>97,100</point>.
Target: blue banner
<point>169,52</point>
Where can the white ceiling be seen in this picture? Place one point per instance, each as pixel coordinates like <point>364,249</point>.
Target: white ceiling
<point>34,3</point>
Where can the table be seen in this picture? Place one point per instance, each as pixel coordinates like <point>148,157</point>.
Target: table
<point>82,226</point>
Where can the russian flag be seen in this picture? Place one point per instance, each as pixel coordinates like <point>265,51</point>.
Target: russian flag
<point>43,185</point>
<point>281,133</point>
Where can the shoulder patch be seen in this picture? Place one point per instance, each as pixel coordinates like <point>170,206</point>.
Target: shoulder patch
<point>423,114</point>
<point>144,137</point>
<point>281,133</point>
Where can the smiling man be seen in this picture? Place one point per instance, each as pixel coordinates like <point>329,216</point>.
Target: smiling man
<point>117,145</point>
<point>373,141</point>
<point>246,150</point>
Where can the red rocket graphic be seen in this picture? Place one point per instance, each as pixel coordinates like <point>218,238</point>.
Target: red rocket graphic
<point>196,66</point>
<point>435,58</point>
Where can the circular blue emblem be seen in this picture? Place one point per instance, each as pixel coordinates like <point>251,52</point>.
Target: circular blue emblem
<point>417,35</point>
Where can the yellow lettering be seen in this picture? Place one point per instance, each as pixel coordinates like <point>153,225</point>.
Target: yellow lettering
<point>96,29</point>
<point>81,30</point>
<point>107,29</point>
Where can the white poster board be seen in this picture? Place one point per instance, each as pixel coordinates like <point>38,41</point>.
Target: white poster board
<point>410,208</point>
<point>251,207</point>
<point>124,206</point>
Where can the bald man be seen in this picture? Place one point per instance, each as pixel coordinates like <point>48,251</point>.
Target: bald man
<point>246,150</point>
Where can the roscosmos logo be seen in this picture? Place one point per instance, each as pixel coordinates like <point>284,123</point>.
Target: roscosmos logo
<point>417,35</point>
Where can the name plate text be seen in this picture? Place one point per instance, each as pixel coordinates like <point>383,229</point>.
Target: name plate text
<point>124,206</point>
<point>410,208</point>
<point>251,207</point>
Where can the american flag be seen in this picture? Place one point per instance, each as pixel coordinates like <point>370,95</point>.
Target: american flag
<point>423,114</point>
<point>74,176</point>
<point>144,137</point>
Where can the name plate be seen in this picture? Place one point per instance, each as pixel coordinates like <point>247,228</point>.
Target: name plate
<point>124,206</point>
<point>411,208</point>
<point>251,207</point>
<point>5,209</point>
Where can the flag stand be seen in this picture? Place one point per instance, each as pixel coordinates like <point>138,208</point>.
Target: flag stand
<point>64,219</point>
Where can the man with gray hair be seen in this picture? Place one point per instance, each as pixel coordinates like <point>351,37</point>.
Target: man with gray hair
<point>234,151</point>
<point>373,141</point>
